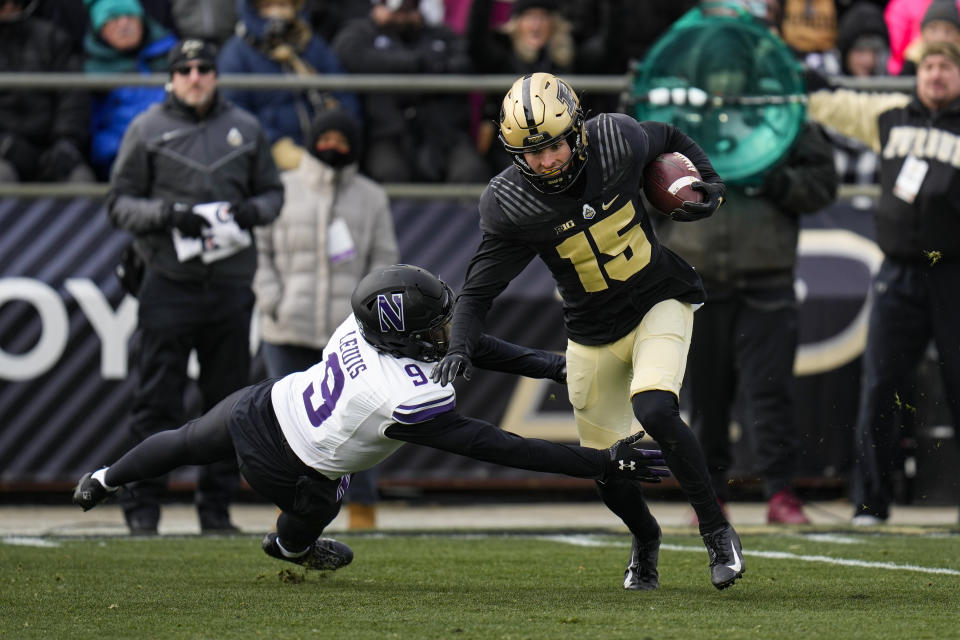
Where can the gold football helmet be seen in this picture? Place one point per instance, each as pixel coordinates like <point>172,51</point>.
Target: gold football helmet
<point>539,110</point>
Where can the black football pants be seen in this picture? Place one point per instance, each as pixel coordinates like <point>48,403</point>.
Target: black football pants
<point>176,318</point>
<point>749,345</point>
<point>912,303</point>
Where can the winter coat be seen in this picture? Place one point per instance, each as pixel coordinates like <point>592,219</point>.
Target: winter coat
<point>898,127</point>
<point>286,113</point>
<point>301,294</point>
<point>169,155</point>
<point>41,117</point>
<point>363,47</point>
<point>211,20</point>
<point>750,243</point>
<point>114,110</point>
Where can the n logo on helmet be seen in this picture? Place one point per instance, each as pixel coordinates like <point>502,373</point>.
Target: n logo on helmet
<point>390,311</point>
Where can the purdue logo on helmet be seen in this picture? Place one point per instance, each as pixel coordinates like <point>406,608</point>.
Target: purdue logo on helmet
<point>404,311</point>
<point>539,110</point>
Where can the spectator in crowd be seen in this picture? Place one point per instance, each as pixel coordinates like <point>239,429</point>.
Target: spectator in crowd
<point>192,149</point>
<point>941,23</point>
<point>745,337</point>
<point>273,38</point>
<point>327,16</point>
<point>335,227</point>
<point>380,398</point>
<point>211,20</point>
<point>122,39</point>
<point>863,48</point>
<point>411,136</point>
<point>918,229</point>
<point>638,24</point>
<point>571,197</point>
<point>536,38</point>
<point>43,134</point>
<point>809,27</point>
<point>903,19</point>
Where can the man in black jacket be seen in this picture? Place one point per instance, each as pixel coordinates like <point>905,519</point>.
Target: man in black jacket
<point>192,149</point>
<point>746,336</point>
<point>918,230</point>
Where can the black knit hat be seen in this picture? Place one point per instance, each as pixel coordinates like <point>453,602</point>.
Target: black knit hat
<point>191,49</point>
<point>519,6</point>
<point>945,10</point>
<point>340,120</point>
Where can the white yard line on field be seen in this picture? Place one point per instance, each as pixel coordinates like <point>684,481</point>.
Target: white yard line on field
<point>592,541</point>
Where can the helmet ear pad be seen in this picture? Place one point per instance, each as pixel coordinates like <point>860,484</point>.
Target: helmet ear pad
<point>404,311</point>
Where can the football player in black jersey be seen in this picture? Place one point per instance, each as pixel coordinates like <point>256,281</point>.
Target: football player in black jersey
<point>572,197</point>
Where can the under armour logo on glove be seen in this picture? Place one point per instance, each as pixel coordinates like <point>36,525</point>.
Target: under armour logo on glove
<point>625,460</point>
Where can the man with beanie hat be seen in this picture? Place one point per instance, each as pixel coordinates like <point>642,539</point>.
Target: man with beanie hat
<point>917,220</point>
<point>941,23</point>
<point>192,148</point>
<point>335,228</point>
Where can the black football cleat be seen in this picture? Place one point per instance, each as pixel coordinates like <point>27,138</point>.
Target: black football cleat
<point>641,574</point>
<point>90,492</point>
<point>726,556</point>
<point>324,554</point>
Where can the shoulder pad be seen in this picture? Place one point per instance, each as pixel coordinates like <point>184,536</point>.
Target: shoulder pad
<point>609,145</point>
<point>517,202</point>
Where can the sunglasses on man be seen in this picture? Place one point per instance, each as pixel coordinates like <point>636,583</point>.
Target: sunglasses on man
<point>202,68</point>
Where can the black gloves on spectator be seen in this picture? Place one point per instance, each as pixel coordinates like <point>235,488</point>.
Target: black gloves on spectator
<point>713,193</point>
<point>628,462</point>
<point>244,214</point>
<point>18,152</point>
<point>181,216</point>
<point>452,365</point>
<point>56,163</point>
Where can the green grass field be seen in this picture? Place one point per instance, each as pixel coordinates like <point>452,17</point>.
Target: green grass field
<point>797,585</point>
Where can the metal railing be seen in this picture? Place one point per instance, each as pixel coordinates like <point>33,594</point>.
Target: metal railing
<point>360,83</point>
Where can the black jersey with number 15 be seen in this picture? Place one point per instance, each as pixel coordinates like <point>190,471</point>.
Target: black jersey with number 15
<point>597,240</point>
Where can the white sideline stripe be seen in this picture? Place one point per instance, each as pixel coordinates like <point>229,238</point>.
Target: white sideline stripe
<point>25,541</point>
<point>588,541</point>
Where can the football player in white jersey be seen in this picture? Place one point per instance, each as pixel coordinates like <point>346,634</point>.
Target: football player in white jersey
<point>299,438</point>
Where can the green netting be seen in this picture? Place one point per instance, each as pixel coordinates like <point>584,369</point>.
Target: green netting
<point>725,80</point>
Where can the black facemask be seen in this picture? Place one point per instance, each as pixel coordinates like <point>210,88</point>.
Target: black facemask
<point>333,157</point>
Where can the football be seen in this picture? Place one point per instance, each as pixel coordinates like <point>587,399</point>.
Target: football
<point>667,180</point>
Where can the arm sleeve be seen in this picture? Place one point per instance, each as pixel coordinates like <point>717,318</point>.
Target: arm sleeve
<point>808,180</point>
<point>664,138</point>
<point>128,205</point>
<point>854,113</point>
<point>481,440</point>
<point>491,269</point>
<point>495,354</point>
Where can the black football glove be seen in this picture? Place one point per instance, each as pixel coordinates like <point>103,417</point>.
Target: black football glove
<point>452,365</point>
<point>713,193</point>
<point>181,216</point>
<point>628,462</point>
<point>244,214</point>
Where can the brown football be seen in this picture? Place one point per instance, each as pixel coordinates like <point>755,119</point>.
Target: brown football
<point>667,180</point>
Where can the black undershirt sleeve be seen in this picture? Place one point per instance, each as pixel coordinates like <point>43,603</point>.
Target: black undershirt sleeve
<point>481,440</point>
<point>495,354</point>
